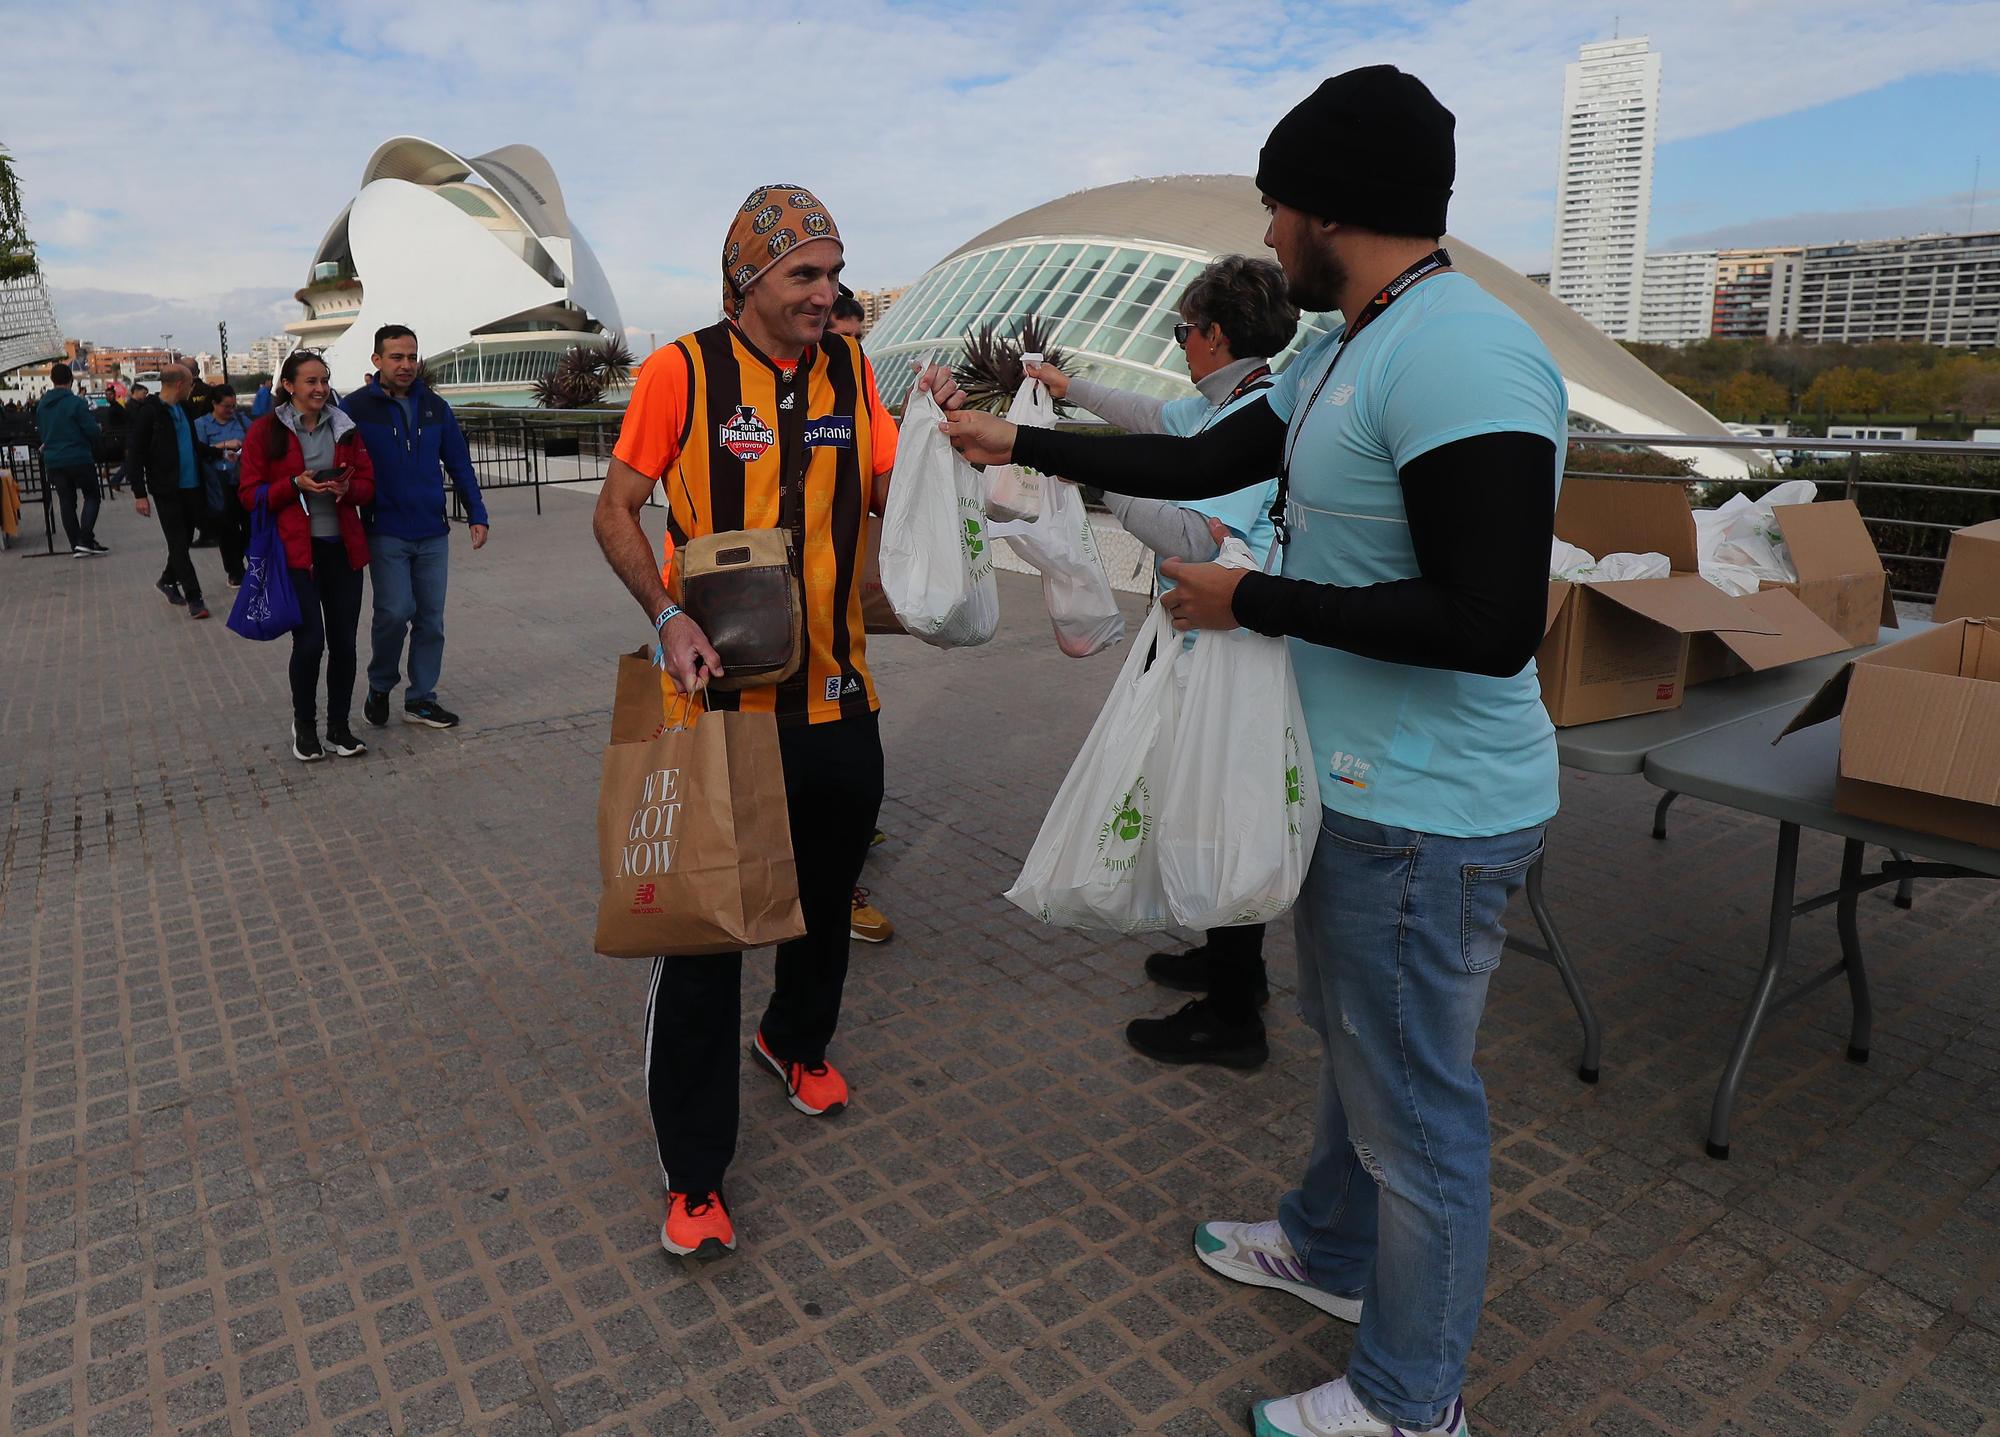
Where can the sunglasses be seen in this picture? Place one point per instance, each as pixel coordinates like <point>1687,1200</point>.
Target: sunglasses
<point>1183,330</point>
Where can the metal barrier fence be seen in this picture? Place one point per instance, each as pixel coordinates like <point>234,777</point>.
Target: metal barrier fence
<point>515,449</point>
<point>31,485</point>
<point>1912,545</point>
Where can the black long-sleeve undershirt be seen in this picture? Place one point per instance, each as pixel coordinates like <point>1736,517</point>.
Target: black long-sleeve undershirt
<point>1481,511</point>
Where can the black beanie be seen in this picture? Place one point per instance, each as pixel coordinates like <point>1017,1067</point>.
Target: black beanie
<point>1372,147</point>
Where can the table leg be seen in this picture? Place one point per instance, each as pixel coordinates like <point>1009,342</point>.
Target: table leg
<point>1783,884</point>
<point>1906,891</point>
<point>1660,813</point>
<point>1559,956</point>
<point>1850,951</point>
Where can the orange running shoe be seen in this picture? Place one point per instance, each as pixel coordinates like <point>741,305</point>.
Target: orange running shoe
<point>814,1089</point>
<point>697,1225</point>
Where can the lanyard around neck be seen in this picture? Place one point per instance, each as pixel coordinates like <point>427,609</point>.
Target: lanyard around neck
<point>1396,288</point>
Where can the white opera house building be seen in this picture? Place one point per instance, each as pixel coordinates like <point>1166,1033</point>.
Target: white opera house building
<point>477,255</point>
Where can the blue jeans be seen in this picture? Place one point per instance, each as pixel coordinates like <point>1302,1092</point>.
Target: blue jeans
<point>409,579</point>
<point>1398,933</point>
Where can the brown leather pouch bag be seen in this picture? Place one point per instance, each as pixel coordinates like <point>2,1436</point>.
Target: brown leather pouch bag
<point>739,587</point>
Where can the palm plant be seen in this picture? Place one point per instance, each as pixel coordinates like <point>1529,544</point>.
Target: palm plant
<point>614,360</point>
<point>17,251</point>
<point>990,370</point>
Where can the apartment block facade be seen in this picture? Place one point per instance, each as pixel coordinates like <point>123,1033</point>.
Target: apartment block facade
<point>1604,183</point>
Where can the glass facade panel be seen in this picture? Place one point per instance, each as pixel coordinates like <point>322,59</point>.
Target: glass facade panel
<point>1112,307</point>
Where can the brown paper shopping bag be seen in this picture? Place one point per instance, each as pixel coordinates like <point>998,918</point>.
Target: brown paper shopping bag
<point>694,846</point>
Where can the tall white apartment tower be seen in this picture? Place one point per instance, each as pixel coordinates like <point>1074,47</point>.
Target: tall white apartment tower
<point>1604,182</point>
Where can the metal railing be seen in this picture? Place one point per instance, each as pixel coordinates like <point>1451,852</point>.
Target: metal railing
<point>1913,549</point>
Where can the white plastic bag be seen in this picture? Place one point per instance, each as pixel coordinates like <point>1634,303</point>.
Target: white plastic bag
<point>1095,863</point>
<point>1014,493</point>
<point>1241,812</point>
<point>936,561</point>
<point>1567,561</point>
<point>1062,546</point>
<point>1738,544</point>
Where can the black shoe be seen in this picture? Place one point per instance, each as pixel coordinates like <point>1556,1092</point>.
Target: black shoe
<point>340,738</point>
<point>305,743</point>
<point>197,609</point>
<point>431,712</point>
<point>95,547</point>
<point>1183,972</point>
<point>376,709</point>
<point>235,581</point>
<point>171,590</point>
<point>1189,972</point>
<point>1193,1034</point>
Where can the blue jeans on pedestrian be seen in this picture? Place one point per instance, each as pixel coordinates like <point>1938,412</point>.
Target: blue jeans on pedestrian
<point>409,577</point>
<point>1398,933</point>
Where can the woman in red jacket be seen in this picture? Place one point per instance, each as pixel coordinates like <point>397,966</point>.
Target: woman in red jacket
<point>304,461</point>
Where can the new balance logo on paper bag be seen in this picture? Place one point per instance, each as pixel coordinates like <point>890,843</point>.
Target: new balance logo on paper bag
<point>694,846</point>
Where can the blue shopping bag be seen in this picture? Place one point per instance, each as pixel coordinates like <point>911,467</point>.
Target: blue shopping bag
<point>267,606</point>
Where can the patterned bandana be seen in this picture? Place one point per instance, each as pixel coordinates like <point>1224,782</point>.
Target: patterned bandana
<point>775,220</point>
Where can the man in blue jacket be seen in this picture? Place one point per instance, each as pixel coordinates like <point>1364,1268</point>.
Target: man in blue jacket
<point>414,441</point>
<point>70,438</point>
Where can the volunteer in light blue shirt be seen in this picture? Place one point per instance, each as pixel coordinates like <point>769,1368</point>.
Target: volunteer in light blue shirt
<point>1421,450</point>
<point>1234,316</point>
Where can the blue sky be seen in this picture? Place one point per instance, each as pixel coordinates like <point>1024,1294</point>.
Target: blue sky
<point>921,123</point>
<point>1873,156</point>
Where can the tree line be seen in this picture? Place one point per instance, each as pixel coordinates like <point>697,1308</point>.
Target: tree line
<point>1766,381</point>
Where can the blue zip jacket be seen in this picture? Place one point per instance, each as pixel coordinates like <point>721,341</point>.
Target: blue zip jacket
<point>411,462</point>
<point>68,430</point>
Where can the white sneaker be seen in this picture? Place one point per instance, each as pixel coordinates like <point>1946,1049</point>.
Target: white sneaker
<point>1334,1411</point>
<point>1257,1253</point>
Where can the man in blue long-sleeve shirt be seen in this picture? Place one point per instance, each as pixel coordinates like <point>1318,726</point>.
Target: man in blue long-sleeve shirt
<point>414,440</point>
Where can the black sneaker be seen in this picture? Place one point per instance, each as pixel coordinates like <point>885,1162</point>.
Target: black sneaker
<point>171,590</point>
<point>197,609</point>
<point>235,581</point>
<point>1183,972</point>
<point>83,551</point>
<point>305,744</point>
<point>431,712</point>
<point>95,547</point>
<point>375,708</point>
<point>1193,1034</point>
<point>1189,972</point>
<point>340,738</point>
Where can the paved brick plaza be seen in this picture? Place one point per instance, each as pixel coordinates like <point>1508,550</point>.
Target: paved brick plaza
<point>318,1115</point>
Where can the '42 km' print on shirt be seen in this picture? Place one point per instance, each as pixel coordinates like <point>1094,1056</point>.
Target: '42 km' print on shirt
<point>650,838</point>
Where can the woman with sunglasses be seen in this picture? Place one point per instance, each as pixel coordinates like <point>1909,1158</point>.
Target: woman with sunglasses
<point>1234,317</point>
<point>305,464</point>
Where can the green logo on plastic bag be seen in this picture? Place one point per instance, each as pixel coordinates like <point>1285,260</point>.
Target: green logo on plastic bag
<point>1295,788</point>
<point>974,545</point>
<point>1121,838</point>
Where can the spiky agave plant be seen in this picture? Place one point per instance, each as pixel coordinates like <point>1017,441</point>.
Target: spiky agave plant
<point>990,372</point>
<point>614,360</point>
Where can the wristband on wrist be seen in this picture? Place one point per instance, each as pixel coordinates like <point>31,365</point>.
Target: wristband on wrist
<point>672,610</point>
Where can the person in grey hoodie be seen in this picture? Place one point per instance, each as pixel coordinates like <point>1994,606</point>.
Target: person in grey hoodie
<point>70,437</point>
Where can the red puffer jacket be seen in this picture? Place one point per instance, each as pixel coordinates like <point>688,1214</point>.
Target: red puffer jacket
<point>265,480</point>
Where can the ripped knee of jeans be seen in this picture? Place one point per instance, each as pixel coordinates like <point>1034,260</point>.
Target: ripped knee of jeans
<point>1347,1025</point>
<point>1370,1164</point>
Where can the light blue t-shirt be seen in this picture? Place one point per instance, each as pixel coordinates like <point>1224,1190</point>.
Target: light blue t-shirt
<point>1462,755</point>
<point>1246,512</point>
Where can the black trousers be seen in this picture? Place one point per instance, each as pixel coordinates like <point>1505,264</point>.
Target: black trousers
<point>232,532</point>
<point>1236,970</point>
<point>69,481</point>
<point>179,510</point>
<point>694,1007</point>
<point>329,613</point>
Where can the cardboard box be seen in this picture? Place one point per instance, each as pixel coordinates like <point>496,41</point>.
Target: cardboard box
<point>1610,650</point>
<point>1920,732</point>
<point>1971,585</point>
<point>1841,578</point>
<point>1797,633</point>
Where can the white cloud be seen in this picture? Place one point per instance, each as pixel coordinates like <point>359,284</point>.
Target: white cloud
<point>920,124</point>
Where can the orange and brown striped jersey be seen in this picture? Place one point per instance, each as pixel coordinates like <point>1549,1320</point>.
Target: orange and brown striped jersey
<point>720,422</point>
